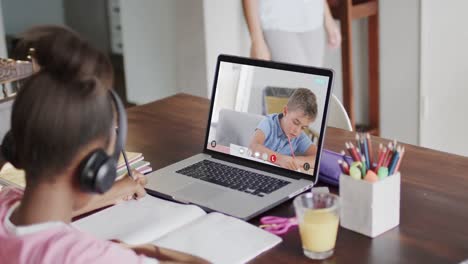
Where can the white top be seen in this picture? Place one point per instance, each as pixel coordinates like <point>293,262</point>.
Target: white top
<point>291,15</point>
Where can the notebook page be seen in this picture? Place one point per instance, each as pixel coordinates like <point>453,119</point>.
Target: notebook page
<point>137,222</point>
<point>220,239</point>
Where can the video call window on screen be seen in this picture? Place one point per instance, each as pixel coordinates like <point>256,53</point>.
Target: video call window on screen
<point>268,115</point>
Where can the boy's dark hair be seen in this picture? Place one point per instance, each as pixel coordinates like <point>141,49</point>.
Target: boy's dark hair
<point>305,100</point>
<point>64,106</point>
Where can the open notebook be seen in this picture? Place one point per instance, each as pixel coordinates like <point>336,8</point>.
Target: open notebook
<point>215,237</point>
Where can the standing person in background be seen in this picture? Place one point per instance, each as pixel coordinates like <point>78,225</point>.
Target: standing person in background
<point>291,31</point>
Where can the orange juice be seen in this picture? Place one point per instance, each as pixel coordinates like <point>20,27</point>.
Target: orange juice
<point>318,230</point>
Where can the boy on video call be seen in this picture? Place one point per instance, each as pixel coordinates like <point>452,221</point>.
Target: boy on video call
<point>282,134</point>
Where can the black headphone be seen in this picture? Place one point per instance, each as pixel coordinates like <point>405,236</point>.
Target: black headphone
<point>98,171</point>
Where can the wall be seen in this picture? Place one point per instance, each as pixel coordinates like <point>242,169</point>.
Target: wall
<point>332,60</point>
<point>148,45</point>
<point>444,75</point>
<point>163,48</point>
<point>3,49</point>
<point>399,69</point>
<point>190,48</point>
<point>89,18</point>
<point>225,33</point>
<point>19,15</point>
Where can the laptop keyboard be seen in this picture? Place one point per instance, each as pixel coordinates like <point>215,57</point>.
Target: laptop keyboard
<point>234,178</point>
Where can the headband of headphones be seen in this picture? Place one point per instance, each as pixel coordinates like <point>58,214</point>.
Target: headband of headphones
<point>122,126</point>
<point>98,171</point>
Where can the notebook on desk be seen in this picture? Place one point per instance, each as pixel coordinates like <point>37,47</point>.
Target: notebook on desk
<point>227,176</point>
<point>187,228</point>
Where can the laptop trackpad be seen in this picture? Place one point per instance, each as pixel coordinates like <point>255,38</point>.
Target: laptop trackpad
<point>198,193</point>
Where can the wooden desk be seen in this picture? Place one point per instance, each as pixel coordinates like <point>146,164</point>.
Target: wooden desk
<point>434,192</point>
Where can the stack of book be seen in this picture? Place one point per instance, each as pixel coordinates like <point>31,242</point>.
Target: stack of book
<point>10,176</point>
<point>136,161</point>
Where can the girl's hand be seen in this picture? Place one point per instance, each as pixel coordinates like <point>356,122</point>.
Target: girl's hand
<point>134,188</point>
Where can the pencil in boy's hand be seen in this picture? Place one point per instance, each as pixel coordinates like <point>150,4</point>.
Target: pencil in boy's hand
<point>290,146</point>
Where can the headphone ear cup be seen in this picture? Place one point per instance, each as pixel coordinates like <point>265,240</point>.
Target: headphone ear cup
<point>97,172</point>
<point>105,176</point>
<point>8,149</point>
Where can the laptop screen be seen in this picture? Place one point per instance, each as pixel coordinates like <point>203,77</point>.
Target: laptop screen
<point>269,113</point>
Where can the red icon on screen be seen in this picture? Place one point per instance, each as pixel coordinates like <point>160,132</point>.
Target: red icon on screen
<point>273,158</point>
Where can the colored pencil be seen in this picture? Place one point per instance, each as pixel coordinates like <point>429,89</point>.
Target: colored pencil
<point>388,157</point>
<point>381,159</point>
<point>358,144</point>
<point>394,161</point>
<point>371,152</point>
<point>352,151</point>
<point>366,152</point>
<point>399,160</point>
<point>364,167</point>
<point>343,154</point>
<point>379,154</point>
<point>357,154</point>
<point>344,167</point>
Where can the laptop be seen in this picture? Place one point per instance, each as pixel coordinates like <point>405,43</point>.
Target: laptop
<point>228,176</point>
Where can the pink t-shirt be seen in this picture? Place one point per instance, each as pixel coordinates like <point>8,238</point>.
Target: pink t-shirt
<point>55,243</point>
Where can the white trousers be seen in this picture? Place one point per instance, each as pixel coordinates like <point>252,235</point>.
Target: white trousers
<point>306,48</point>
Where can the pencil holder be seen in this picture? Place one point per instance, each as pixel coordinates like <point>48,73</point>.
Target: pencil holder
<point>370,208</point>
